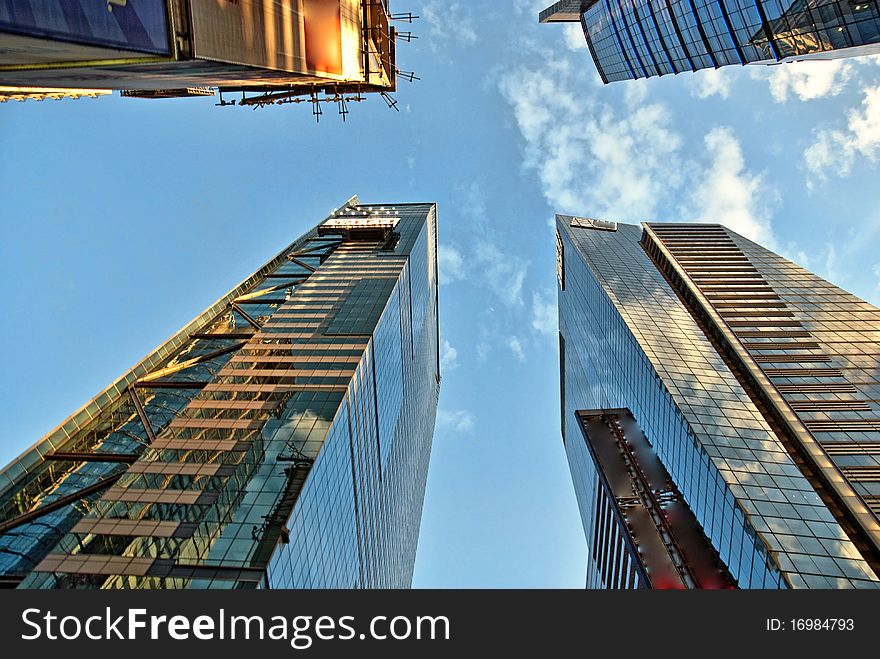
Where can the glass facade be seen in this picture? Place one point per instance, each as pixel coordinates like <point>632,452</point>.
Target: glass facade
<point>281,440</point>
<point>631,39</point>
<point>632,338</point>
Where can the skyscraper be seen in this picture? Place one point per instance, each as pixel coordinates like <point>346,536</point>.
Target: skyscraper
<point>162,48</point>
<point>281,439</point>
<point>719,410</point>
<point>645,38</point>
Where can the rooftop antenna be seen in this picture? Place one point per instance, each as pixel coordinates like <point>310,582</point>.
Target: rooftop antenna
<point>223,102</point>
<point>316,108</point>
<point>390,100</point>
<point>407,17</point>
<point>405,36</point>
<point>343,107</point>
<point>408,75</point>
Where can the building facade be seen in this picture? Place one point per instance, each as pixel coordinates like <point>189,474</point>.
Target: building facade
<point>644,38</point>
<point>280,440</point>
<point>719,410</point>
<point>162,48</point>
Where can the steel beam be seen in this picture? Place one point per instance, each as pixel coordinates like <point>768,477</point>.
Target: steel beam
<point>25,518</point>
<point>142,414</point>
<point>169,370</point>
<point>301,263</point>
<point>77,456</point>
<point>170,384</point>
<point>263,291</point>
<point>244,314</point>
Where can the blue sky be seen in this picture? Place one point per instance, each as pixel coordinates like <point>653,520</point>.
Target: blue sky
<point>123,218</point>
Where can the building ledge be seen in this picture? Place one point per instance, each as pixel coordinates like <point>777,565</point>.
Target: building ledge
<point>564,11</point>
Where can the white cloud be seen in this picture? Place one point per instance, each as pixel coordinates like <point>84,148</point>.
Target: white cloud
<point>711,82</point>
<point>483,350</point>
<point>457,420</point>
<point>450,264</point>
<point>808,80</point>
<point>592,159</point>
<point>516,348</point>
<point>729,194</point>
<point>835,151</point>
<point>504,274</point>
<point>448,356</point>
<point>805,80</point>
<point>822,156</point>
<point>573,35</point>
<point>544,314</point>
<point>635,95</point>
<point>453,22</point>
<point>588,157</point>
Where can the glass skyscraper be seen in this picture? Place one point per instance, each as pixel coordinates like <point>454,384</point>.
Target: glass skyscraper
<point>280,440</point>
<point>644,38</point>
<point>720,411</point>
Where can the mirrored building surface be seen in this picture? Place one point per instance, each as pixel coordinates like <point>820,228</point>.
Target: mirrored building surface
<point>720,411</point>
<point>280,440</point>
<point>645,38</point>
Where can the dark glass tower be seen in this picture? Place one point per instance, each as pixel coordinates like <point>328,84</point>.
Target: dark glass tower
<point>720,411</point>
<point>631,39</point>
<point>280,440</point>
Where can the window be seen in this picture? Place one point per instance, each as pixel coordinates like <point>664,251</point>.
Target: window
<point>560,260</point>
<point>562,382</point>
